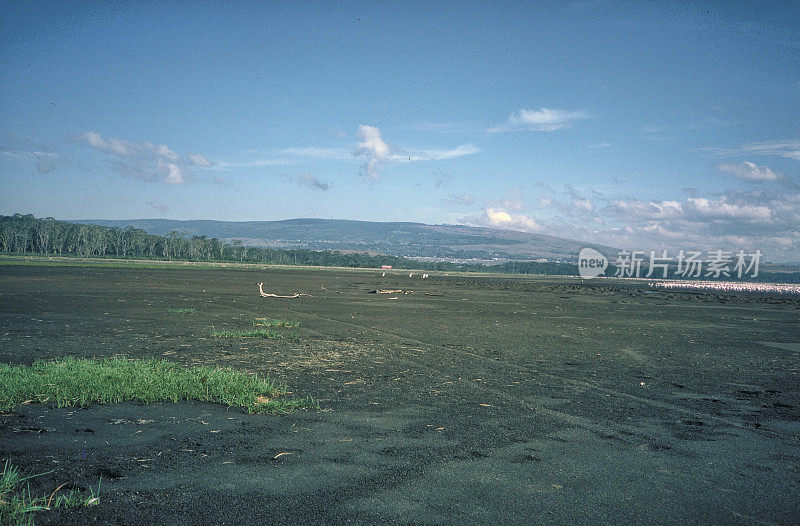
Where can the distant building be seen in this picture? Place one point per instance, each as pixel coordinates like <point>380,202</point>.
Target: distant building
<point>386,267</point>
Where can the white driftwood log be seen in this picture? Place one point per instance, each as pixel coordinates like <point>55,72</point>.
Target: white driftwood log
<point>267,295</point>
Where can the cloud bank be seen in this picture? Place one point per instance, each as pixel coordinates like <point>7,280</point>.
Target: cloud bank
<point>765,219</point>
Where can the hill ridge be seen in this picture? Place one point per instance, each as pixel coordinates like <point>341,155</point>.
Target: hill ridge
<point>397,238</point>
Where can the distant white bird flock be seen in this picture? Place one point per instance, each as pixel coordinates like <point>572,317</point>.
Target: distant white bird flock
<point>729,286</point>
<point>410,275</point>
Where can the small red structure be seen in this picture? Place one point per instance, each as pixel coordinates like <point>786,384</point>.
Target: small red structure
<point>386,267</point>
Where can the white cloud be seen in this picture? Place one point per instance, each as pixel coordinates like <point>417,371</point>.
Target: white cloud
<point>788,149</point>
<point>505,213</point>
<point>291,158</point>
<point>124,148</point>
<point>172,173</point>
<point>163,151</point>
<point>255,163</point>
<point>372,147</point>
<point>47,156</point>
<point>309,181</point>
<point>318,153</point>
<point>720,208</point>
<point>498,218</point>
<point>722,212</point>
<point>115,146</point>
<point>646,210</point>
<point>544,119</point>
<point>578,207</point>
<point>583,203</point>
<point>199,160</point>
<point>144,160</point>
<point>20,146</point>
<point>751,172</point>
<point>435,155</point>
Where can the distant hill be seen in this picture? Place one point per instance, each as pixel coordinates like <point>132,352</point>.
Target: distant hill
<point>397,239</point>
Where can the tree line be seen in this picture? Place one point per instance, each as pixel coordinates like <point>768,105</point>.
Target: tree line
<point>26,234</point>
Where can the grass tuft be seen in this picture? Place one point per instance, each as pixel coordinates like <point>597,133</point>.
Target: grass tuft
<point>181,311</point>
<point>269,322</point>
<point>248,333</point>
<point>18,505</point>
<point>72,382</point>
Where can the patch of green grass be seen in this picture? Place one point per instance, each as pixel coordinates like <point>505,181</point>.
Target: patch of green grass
<point>18,505</point>
<point>248,333</point>
<point>181,311</point>
<point>269,322</point>
<point>81,382</point>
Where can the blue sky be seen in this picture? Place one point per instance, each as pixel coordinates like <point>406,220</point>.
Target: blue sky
<point>638,125</point>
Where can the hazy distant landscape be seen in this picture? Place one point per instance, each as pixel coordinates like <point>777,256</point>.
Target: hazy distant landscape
<point>448,242</point>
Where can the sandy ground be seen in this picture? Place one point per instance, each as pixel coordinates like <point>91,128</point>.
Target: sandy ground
<point>488,399</point>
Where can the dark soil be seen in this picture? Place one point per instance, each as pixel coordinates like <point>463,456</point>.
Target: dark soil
<point>486,400</point>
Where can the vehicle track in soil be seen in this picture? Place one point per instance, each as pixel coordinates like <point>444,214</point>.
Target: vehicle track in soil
<point>576,420</point>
